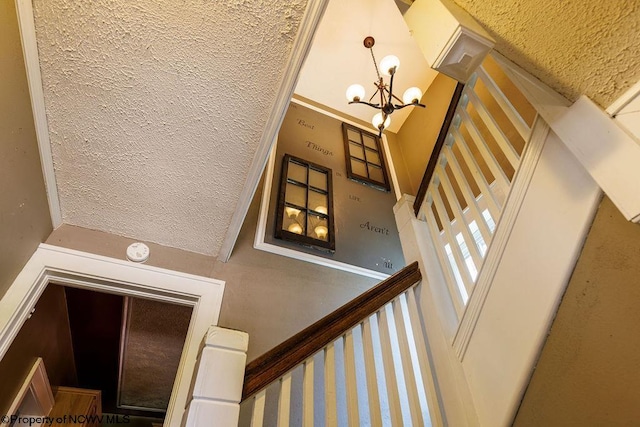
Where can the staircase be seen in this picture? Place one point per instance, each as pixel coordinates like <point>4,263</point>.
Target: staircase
<point>495,231</point>
<point>364,364</point>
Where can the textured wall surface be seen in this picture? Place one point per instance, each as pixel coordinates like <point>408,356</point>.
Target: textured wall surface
<point>587,374</point>
<point>155,109</point>
<point>24,212</point>
<point>586,47</point>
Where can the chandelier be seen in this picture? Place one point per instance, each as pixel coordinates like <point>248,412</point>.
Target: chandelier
<point>387,105</point>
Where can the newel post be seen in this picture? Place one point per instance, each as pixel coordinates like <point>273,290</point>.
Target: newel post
<point>217,386</point>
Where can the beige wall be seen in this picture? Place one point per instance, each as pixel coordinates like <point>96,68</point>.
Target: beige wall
<point>399,164</point>
<point>419,132</point>
<point>24,212</point>
<point>587,374</point>
<point>586,47</point>
<point>269,296</point>
<point>392,140</point>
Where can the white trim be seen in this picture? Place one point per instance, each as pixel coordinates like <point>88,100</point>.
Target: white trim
<point>88,271</point>
<point>259,242</point>
<point>544,245</point>
<point>547,102</point>
<point>391,167</point>
<point>24,11</point>
<point>609,154</point>
<point>502,234</point>
<point>278,250</point>
<point>301,46</point>
<point>624,100</point>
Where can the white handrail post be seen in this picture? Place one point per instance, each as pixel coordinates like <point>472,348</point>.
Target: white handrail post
<point>217,388</point>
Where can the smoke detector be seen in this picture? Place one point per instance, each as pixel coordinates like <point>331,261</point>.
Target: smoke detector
<point>138,252</point>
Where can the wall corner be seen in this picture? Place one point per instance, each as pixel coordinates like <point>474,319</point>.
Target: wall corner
<point>217,388</point>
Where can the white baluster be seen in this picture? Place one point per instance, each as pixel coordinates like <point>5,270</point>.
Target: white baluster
<point>331,407</point>
<point>472,203</point>
<point>450,238</point>
<point>454,290</point>
<point>510,111</point>
<point>307,397</point>
<point>472,164</point>
<point>463,226</point>
<point>389,369</point>
<point>284,400</point>
<point>423,360</point>
<point>257,416</point>
<point>485,151</point>
<point>370,367</point>
<point>350,379</point>
<point>407,365</point>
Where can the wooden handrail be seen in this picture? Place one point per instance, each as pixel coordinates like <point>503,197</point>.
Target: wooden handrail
<point>281,359</point>
<point>442,137</point>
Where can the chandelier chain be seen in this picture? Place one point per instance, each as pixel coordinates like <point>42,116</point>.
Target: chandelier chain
<point>375,63</point>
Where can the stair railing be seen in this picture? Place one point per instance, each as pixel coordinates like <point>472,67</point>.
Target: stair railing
<point>363,364</point>
<point>473,166</point>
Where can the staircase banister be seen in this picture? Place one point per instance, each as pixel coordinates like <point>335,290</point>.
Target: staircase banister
<point>267,368</point>
<point>435,154</point>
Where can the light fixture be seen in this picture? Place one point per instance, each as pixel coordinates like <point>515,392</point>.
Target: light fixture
<point>388,66</point>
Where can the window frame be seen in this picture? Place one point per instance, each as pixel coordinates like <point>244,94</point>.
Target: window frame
<point>328,245</point>
<point>378,185</point>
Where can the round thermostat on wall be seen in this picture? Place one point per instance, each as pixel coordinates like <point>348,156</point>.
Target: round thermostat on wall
<point>138,252</point>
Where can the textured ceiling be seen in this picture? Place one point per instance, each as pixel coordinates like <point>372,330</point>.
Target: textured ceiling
<point>339,59</point>
<point>586,47</point>
<point>155,109</point>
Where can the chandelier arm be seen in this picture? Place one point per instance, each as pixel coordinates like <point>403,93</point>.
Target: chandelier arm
<point>376,106</point>
<point>400,107</point>
<point>382,89</point>
<point>395,97</point>
<point>375,93</point>
<point>399,100</point>
<point>391,87</point>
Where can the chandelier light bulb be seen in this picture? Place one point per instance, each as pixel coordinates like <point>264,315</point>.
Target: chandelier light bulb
<point>377,121</point>
<point>411,95</point>
<point>355,93</point>
<point>389,65</point>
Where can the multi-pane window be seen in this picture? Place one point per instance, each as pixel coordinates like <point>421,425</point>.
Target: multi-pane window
<point>305,205</point>
<point>365,159</point>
